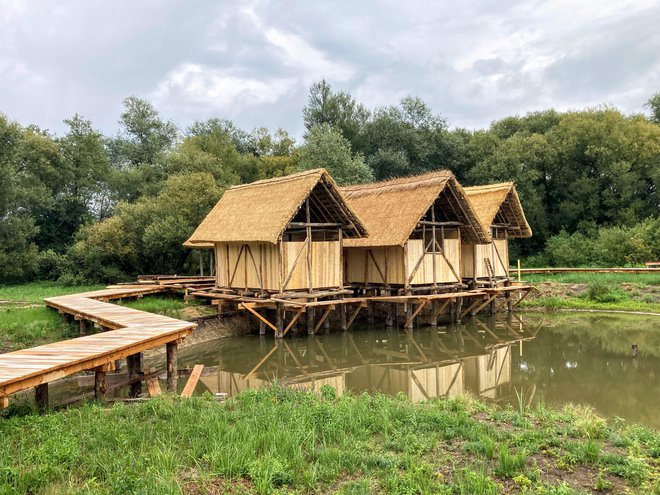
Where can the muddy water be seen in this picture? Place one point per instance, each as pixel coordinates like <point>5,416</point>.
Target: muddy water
<point>554,358</point>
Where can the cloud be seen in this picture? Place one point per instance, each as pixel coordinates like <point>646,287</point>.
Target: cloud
<point>254,61</point>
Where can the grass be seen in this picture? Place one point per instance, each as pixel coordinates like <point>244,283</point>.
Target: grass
<point>34,293</point>
<point>589,278</point>
<point>170,306</point>
<point>28,327</point>
<point>558,302</point>
<point>283,440</point>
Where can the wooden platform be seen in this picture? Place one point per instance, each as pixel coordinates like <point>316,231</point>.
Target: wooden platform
<point>133,332</point>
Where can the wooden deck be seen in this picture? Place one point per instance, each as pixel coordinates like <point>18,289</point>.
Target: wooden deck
<point>133,332</point>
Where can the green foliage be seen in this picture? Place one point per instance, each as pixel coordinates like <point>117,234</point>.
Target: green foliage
<point>327,148</point>
<point>605,293</point>
<point>653,104</point>
<point>27,327</point>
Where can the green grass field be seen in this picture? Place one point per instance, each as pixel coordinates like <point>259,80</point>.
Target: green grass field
<point>27,327</point>
<point>290,441</point>
<point>590,278</point>
<point>34,293</point>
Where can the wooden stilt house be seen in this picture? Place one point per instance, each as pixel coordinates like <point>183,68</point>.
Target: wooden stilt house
<point>416,225</point>
<point>282,234</point>
<point>500,211</point>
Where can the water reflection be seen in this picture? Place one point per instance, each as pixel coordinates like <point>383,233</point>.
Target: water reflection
<point>552,358</point>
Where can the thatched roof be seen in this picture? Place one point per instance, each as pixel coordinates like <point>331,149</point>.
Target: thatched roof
<point>499,204</point>
<point>262,210</point>
<point>392,209</point>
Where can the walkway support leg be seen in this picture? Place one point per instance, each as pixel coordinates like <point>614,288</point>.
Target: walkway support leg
<point>134,363</point>
<point>172,376</point>
<point>342,317</point>
<point>100,384</point>
<point>41,396</point>
<point>310,321</point>
<point>279,321</point>
<point>459,308</point>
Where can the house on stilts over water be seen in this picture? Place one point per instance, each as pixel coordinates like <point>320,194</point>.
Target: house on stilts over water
<point>280,235</point>
<point>500,212</point>
<point>416,226</point>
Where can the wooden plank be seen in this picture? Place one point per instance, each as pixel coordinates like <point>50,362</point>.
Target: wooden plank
<point>412,317</point>
<point>323,318</point>
<point>248,306</point>
<point>153,385</point>
<point>293,320</point>
<point>192,381</point>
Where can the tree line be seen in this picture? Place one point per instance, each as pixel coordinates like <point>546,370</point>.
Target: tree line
<point>87,207</point>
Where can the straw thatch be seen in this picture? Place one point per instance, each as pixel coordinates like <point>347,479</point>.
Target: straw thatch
<point>493,199</point>
<point>262,210</point>
<point>391,209</point>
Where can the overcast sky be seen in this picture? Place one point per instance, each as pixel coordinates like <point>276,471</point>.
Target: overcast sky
<point>253,62</point>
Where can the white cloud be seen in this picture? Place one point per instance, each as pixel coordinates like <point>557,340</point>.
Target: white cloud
<point>195,84</point>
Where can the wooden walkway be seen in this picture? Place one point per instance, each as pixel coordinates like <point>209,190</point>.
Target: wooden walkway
<point>133,332</point>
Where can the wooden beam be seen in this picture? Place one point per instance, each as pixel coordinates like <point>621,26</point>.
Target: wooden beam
<point>474,304</point>
<point>256,268</point>
<point>433,223</point>
<point>4,402</point>
<point>134,363</point>
<point>41,396</point>
<point>304,225</point>
<point>192,381</point>
<point>248,306</point>
<point>293,320</point>
<point>485,303</point>
<point>240,253</point>
<point>520,300</point>
<point>382,276</point>
<point>323,318</point>
<point>411,318</point>
<point>308,230</point>
<point>354,314</point>
<point>440,309</point>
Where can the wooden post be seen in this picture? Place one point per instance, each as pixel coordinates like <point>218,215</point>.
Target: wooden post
<point>279,321</point>
<point>435,276</point>
<point>326,325</point>
<point>370,312</point>
<point>308,230</point>
<point>201,262</point>
<point>459,309</point>
<point>83,327</point>
<point>434,309</point>
<point>100,384</point>
<point>310,321</point>
<point>134,363</point>
<point>41,396</point>
<point>509,303</point>
<point>172,376</point>
<point>262,327</point>
<point>519,277</point>
<point>389,319</point>
<point>342,317</point>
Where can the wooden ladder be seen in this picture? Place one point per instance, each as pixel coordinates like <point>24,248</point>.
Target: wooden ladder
<point>489,270</point>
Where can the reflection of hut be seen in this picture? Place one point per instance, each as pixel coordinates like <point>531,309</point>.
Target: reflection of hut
<point>416,225</point>
<point>500,212</point>
<point>233,383</point>
<point>280,234</point>
<point>417,383</point>
<point>485,373</point>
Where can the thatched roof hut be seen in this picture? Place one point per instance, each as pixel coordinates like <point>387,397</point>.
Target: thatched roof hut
<point>415,226</point>
<point>500,212</point>
<point>261,211</point>
<point>391,209</point>
<point>498,204</point>
<point>263,232</point>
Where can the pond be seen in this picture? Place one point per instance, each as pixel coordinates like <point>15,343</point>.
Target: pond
<point>554,358</point>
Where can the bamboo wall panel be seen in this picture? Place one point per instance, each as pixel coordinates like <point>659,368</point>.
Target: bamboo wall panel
<point>494,370</point>
<point>482,251</point>
<point>392,269</point>
<point>234,260</point>
<point>424,274</point>
<point>326,265</point>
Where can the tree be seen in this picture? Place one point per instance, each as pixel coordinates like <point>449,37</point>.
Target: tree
<point>326,147</point>
<point>339,110</point>
<point>653,104</point>
<point>144,136</point>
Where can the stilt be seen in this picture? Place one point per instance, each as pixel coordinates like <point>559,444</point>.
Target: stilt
<point>279,321</point>
<point>342,317</point>
<point>370,312</point>
<point>83,327</point>
<point>310,321</point>
<point>100,384</point>
<point>391,310</point>
<point>172,351</point>
<point>41,396</point>
<point>409,313</point>
<point>326,325</point>
<point>434,318</point>
<point>459,308</point>
<point>509,303</point>
<point>134,363</point>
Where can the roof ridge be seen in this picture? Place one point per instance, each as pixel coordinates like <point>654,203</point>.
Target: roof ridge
<point>406,180</point>
<point>285,178</point>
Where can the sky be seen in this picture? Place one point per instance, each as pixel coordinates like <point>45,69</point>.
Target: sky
<point>253,62</point>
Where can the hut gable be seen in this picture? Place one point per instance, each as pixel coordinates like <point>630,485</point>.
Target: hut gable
<point>392,209</point>
<point>499,204</point>
<point>262,211</point>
